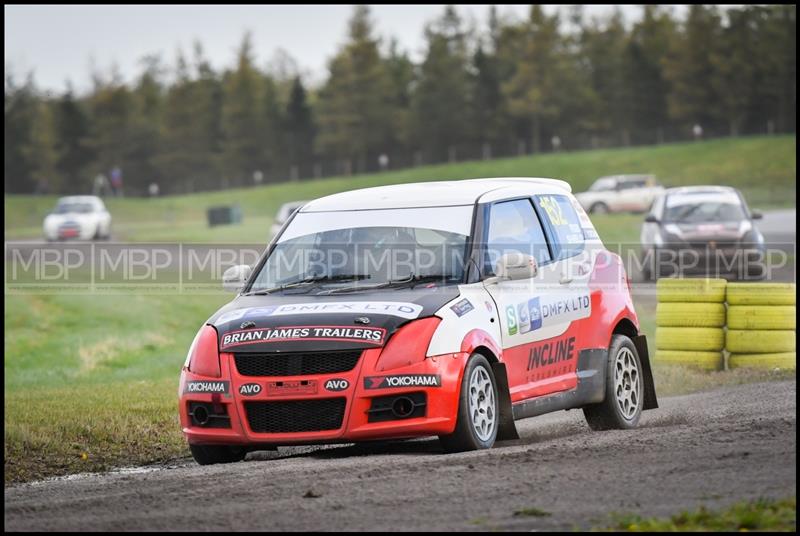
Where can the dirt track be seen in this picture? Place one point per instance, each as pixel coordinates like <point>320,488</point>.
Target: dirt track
<point>711,448</point>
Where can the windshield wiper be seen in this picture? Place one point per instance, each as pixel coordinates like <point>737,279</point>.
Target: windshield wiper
<point>307,281</point>
<point>416,280</point>
<point>411,280</point>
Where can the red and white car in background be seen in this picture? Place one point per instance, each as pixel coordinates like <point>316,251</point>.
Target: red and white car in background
<point>446,309</point>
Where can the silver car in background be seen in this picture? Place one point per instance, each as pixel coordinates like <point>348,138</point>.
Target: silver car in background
<point>620,193</point>
<point>702,230</point>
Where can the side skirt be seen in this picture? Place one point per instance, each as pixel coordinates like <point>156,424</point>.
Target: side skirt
<point>590,389</point>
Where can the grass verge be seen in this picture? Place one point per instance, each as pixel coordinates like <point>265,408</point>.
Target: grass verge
<point>759,515</point>
<point>764,167</point>
<point>91,381</point>
<point>73,429</point>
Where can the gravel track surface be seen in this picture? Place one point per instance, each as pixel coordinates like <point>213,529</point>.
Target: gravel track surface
<point>712,448</point>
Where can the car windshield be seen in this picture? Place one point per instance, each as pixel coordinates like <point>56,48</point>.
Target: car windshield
<point>603,184</point>
<point>708,211</point>
<point>327,252</point>
<point>71,207</point>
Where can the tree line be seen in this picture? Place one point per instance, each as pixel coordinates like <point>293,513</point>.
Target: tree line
<point>549,82</point>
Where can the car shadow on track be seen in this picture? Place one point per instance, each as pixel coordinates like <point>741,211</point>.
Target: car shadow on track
<point>529,435</point>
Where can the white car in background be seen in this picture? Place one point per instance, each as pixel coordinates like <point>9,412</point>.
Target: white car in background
<point>81,217</point>
<point>621,193</point>
<point>284,213</point>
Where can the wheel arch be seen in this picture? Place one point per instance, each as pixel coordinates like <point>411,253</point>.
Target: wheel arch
<point>483,344</point>
<point>625,326</point>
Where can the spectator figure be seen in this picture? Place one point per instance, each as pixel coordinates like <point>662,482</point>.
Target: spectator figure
<point>697,130</point>
<point>556,142</point>
<point>116,181</point>
<point>100,187</point>
<point>383,161</point>
<point>153,189</point>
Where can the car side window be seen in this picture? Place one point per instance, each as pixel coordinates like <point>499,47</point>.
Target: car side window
<point>515,227</point>
<point>560,216</point>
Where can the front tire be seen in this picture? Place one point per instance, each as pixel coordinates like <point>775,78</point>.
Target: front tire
<point>478,409</point>
<point>624,398</point>
<point>212,454</point>
<point>599,208</point>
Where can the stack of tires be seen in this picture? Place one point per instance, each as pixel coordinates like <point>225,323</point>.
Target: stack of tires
<point>761,325</point>
<point>690,317</point>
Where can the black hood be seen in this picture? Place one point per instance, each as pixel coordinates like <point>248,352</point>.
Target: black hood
<point>302,322</point>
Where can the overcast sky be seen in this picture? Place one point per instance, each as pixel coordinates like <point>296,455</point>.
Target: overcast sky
<point>59,43</point>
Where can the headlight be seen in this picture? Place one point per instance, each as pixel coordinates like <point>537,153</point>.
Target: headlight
<point>753,238</point>
<point>745,227</point>
<point>408,345</point>
<point>203,355</point>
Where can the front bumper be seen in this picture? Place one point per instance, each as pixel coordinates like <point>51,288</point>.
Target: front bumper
<point>439,415</point>
<point>702,258</point>
<point>70,232</point>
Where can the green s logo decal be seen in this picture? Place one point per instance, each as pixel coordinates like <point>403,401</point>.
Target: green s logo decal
<point>511,317</point>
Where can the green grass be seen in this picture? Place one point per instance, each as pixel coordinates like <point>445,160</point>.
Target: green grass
<point>763,167</point>
<point>759,515</point>
<point>91,380</point>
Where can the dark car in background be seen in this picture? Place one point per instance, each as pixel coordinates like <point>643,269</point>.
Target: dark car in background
<point>702,230</point>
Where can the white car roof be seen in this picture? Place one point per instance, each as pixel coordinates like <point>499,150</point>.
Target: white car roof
<point>702,194</point>
<point>700,190</point>
<point>629,177</point>
<point>79,199</point>
<point>436,194</point>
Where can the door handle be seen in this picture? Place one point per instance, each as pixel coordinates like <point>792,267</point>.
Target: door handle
<point>565,280</point>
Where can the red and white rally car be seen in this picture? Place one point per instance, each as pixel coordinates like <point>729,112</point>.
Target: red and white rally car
<point>445,309</point>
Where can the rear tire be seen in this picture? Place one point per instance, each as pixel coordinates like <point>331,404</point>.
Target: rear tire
<point>599,208</point>
<point>622,407</point>
<point>212,454</point>
<point>478,409</point>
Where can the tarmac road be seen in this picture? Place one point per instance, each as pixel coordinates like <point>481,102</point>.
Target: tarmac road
<point>712,448</point>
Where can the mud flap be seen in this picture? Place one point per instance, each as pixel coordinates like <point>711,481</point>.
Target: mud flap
<point>650,400</point>
<point>506,430</point>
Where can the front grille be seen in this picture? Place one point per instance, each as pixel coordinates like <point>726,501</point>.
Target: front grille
<point>295,415</point>
<point>296,363</point>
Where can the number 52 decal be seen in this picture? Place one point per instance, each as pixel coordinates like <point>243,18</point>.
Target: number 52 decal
<point>553,209</point>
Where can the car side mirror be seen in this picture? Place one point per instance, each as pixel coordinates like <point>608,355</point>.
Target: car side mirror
<point>515,266</point>
<point>756,214</point>
<point>650,218</point>
<point>235,277</point>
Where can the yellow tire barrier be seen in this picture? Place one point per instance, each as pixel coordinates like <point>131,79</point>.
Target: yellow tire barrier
<point>761,317</point>
<point>690,339</point>
<point>759,341</point>
<point>783,360</point>
<point>699,360</point>
<point>761,294</point>
<point>705,290</point>
<point>690,315</point>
